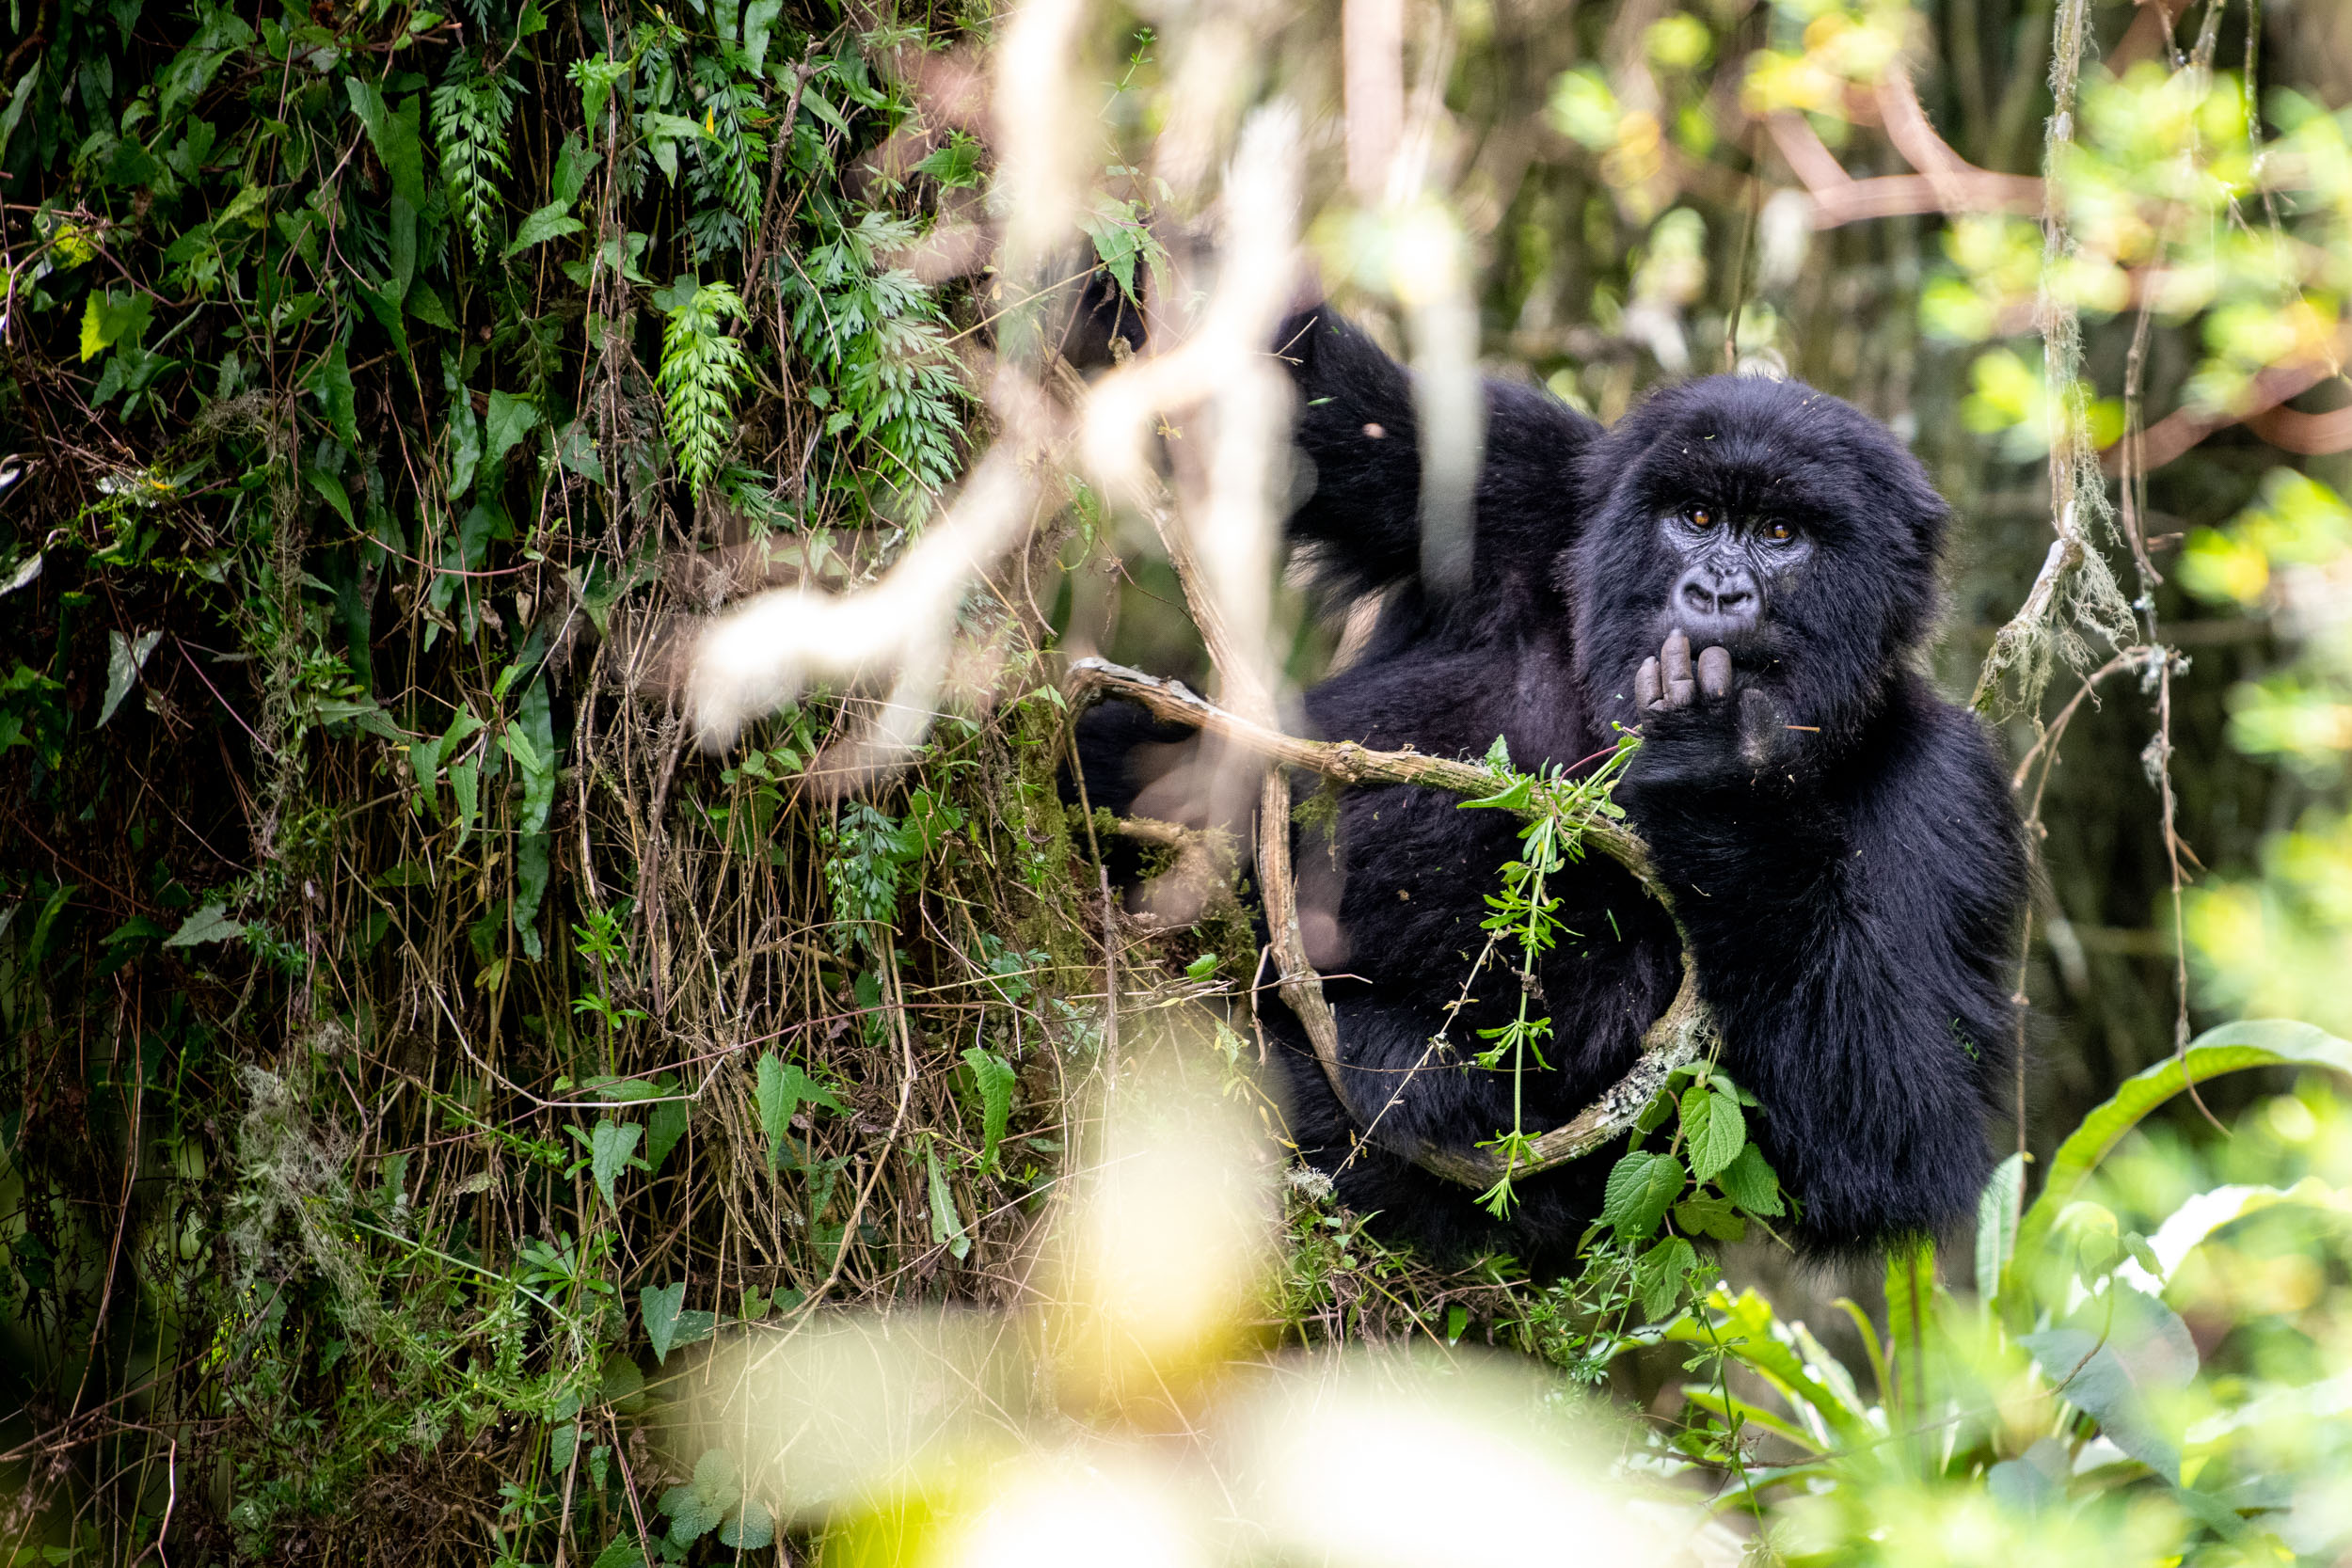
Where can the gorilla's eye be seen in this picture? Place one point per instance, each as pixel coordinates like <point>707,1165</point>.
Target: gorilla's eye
<point>1780,533</point>
<point>1700,517</point>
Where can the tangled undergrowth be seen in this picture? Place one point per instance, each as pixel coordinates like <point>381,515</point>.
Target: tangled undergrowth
<point>410,1032</point>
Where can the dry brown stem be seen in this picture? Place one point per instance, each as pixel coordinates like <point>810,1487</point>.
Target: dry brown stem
<point>1680,1035</point>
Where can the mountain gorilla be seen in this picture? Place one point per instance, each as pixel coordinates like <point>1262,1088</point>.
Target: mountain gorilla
<point>1840,843</point>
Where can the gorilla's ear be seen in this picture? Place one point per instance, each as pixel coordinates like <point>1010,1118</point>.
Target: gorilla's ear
<point>1356,430</point>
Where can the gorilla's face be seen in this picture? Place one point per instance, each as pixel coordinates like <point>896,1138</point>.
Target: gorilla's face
<point>1729,572</point>
<point>1762,518</point>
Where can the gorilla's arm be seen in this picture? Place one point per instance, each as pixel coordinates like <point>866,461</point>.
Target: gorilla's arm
<point>1853,929</point>
<point>1355,427</point>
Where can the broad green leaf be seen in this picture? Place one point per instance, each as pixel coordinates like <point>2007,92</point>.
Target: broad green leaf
<point>749,1528</point>
<point>394,136</point>
<point>1750,1182</point>
<point>665,1124</point>
<point>2117,1362</point>
<point>691,1515</point>
<point>209,923</point>
<point>573,166</point>
<point>782,1089</point>
<point>109,318</point>
<point>2232,1048</point>
<point>509,421</point>
<point>1713,1130</point>
<point>759,19</point>
<point>1641,1187</point>
<point>612,1149</point>
<point>1997,1213</point>
<point>668,1326</point>
<point>125,658</point>
<point>992,1078</point>
<point>550,222</point>
<point>1660,1273</point>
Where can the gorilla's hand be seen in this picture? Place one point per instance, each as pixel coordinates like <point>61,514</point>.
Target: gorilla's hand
<point>1698,729</point>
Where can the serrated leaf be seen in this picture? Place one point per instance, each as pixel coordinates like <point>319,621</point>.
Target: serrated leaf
<point>1713,1130</point>
<point>1641,1187</point>
<point>1711,1217</point>
<point>691,1518</point>
<point>209,923</point>
<point>718,1479</point>
<point>668,1326</point>
<point>992,1078</point>
<point>1660,1273</point>
<point>1750,1182</point>
<point>750,1527</point>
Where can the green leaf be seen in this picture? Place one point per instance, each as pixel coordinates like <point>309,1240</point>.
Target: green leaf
<point>750,1527</point>
<point>612,1149</point>
<point>782,1089</point>
<point>109,318</point>
<point>2232,1048</point>
<point>510,420</point>
<point>331,490</point>
<point>550,222</point>
<point>573,166</point>
<point>993,1077</point>
<point>759,20</point>
<point>465,783</point>
<point>330,383</point>
<point>395,137</point>
<point>1997,1213</point>
<point>125,658</point>
<point>1750,1182</point>
<point>946,1221</point>
<point>691,1516</point>
<point>668,1326</point>
<point>2116,1363</point>
<point>665,1124</point>
<point>1641,1187</point>
<point>209,923</point>
<point>425,304</point>
<point>1659,1275</point>
<point>1711,1217</point>
<point>1713,1130</point>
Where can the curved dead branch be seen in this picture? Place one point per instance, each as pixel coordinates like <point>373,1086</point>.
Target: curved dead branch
<point>1680,1035</point>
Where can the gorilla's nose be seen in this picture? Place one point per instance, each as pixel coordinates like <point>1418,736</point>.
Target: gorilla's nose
<point>1717,603</point>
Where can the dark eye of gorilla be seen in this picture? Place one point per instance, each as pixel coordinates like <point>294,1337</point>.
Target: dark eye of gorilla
<point>1780,533</point>
<point>1700,516</point>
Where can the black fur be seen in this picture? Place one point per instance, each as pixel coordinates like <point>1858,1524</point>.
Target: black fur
<point>1840,843</point>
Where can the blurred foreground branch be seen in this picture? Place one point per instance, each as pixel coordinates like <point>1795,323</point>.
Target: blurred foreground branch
<point>1679,1037</point>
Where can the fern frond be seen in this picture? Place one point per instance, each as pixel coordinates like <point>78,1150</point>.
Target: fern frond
<point>702,369</point>
<point>469,119</point>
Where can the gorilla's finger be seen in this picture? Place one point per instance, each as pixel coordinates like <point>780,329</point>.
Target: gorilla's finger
<point>1715,672</point>
<point>1674,669</point>
<point>1646,686</point>
<point>1676,654</point>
